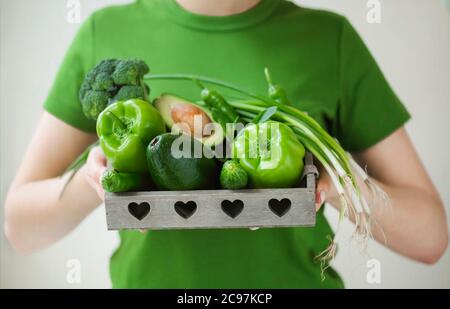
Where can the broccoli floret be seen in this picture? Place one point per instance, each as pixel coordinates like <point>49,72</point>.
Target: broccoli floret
<point>127,92</point>
<point>130,72</point>
<point>103,82</point>
<point>112,80</point>
<point>101,72</point>
<point>95,102</point>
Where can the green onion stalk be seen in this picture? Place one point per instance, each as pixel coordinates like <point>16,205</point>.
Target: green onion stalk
<point>340,166</point>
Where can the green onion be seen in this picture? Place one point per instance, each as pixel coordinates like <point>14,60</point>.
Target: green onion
<point>75,166</point>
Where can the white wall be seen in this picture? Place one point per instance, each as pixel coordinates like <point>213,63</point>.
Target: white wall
<point>412,45</point>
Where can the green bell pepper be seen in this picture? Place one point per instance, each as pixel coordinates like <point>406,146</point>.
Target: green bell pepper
<point>125,128</point>
<point>270,153</point>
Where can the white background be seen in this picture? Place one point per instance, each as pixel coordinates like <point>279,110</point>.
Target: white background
<point>412,45</point>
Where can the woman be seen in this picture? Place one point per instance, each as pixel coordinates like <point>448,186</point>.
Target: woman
<point>327,71</point>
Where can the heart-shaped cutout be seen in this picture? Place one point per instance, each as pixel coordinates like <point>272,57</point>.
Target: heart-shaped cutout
<point>232,209</point>
<point>185,210</point>
<point>280,208</point>
<point>139,211</point>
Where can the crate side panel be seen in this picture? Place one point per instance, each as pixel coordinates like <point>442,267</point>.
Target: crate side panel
<point>209,212</point>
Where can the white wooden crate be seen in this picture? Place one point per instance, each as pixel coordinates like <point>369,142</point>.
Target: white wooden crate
<point>215,208</point>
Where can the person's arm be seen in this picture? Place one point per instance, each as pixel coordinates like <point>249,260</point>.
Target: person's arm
<point>415,224</point>
<point>35,215</point>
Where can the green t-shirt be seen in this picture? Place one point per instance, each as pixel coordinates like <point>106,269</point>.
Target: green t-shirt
<point>327,71</point>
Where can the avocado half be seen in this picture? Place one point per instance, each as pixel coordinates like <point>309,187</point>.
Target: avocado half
<point>166,102</point>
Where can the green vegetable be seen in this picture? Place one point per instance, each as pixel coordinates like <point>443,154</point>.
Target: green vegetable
<point>131,92</point>
<point>112,80</point>
<point>94,102</point>
<point>124,129</point>
<point>175,111</point>
<point>76,165</point>
<point>221,110</point>
<point>233,176</point>
<point>174,164</point>
<point>265,115</point>
<point>129,72</point>
<point>271,155</point>
<point>276,92</point>
<point>114,181</point>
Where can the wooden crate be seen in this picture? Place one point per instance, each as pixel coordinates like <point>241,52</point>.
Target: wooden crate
<point>215,208</point>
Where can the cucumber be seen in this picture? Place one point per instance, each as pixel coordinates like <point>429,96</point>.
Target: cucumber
<point>172,172</point>
<point>233,176</point>
<point>114,181</point>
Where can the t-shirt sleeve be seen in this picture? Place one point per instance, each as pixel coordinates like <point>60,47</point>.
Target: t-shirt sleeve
<point>62,100</point>
<point>368,110</point>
